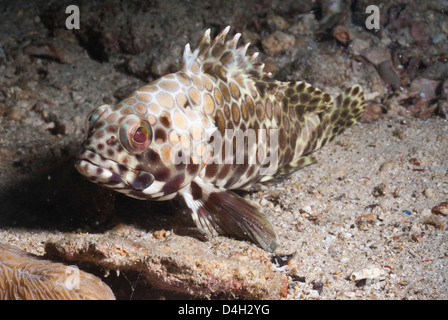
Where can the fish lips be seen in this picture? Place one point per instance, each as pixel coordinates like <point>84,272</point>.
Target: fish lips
<point>109,173</point>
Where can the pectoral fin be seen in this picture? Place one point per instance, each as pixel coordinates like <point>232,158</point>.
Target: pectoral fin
<point>218,210</point>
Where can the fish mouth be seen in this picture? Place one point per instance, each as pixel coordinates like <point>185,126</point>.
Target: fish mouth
<point>112,174</point>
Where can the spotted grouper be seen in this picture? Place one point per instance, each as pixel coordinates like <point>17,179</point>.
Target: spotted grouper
<point>220,123</point>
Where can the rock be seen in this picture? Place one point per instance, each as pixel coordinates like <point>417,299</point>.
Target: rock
<point>422,108</point>
<point>419,34</point>
<point>439,37</point>
<point>332,13</point>
<point>397,132</point>
<point>436,71</point>
<point>428,88</point>
<point>412,68</point>
<point>415,161</point>
<point>443,109</point>
<point>376,55</point>
<point>160,234</point>
<point>276,22</point>
<point>426,213</point>
<point>389,166</point>
<point>178,264</point>
<point>441,208</point>
<point>357,46</point>
<point>388,73</point>
<point>379,190</point>
<point>305,26</point>
<point>13,114</point>
<point>434,221</point>
<point>372,113</point>
<point>398,20</point>
<point>62,52</point>
<point>368,273</point>
<point>429,193</point>
<point>249,36</point>
<point>365,222</point>
<point>277,43</point>
<point>342,35</point>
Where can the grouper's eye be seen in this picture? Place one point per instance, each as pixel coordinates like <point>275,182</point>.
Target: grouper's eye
<point>135,134</point>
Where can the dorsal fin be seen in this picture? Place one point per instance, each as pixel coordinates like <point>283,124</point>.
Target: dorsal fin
<point>302,96</point>
<point>222,58</point>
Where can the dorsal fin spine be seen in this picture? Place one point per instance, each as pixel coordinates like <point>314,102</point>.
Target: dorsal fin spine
<point>254,56</point>
<point>188,57</point>
<point>243,49</point>
<point>225,57</point>
<point>234,40</point>
<point>205,38</point>
<point>222,35</point>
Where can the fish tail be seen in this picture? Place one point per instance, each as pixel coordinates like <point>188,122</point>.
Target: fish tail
<point>346,111</point>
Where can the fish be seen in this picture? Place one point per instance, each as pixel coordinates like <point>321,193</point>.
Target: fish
<point>219,124</point>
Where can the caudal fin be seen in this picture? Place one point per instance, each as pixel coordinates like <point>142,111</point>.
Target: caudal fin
<point>346,111</point>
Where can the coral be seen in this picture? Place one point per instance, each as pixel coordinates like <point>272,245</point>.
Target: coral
<point>24,277</point>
